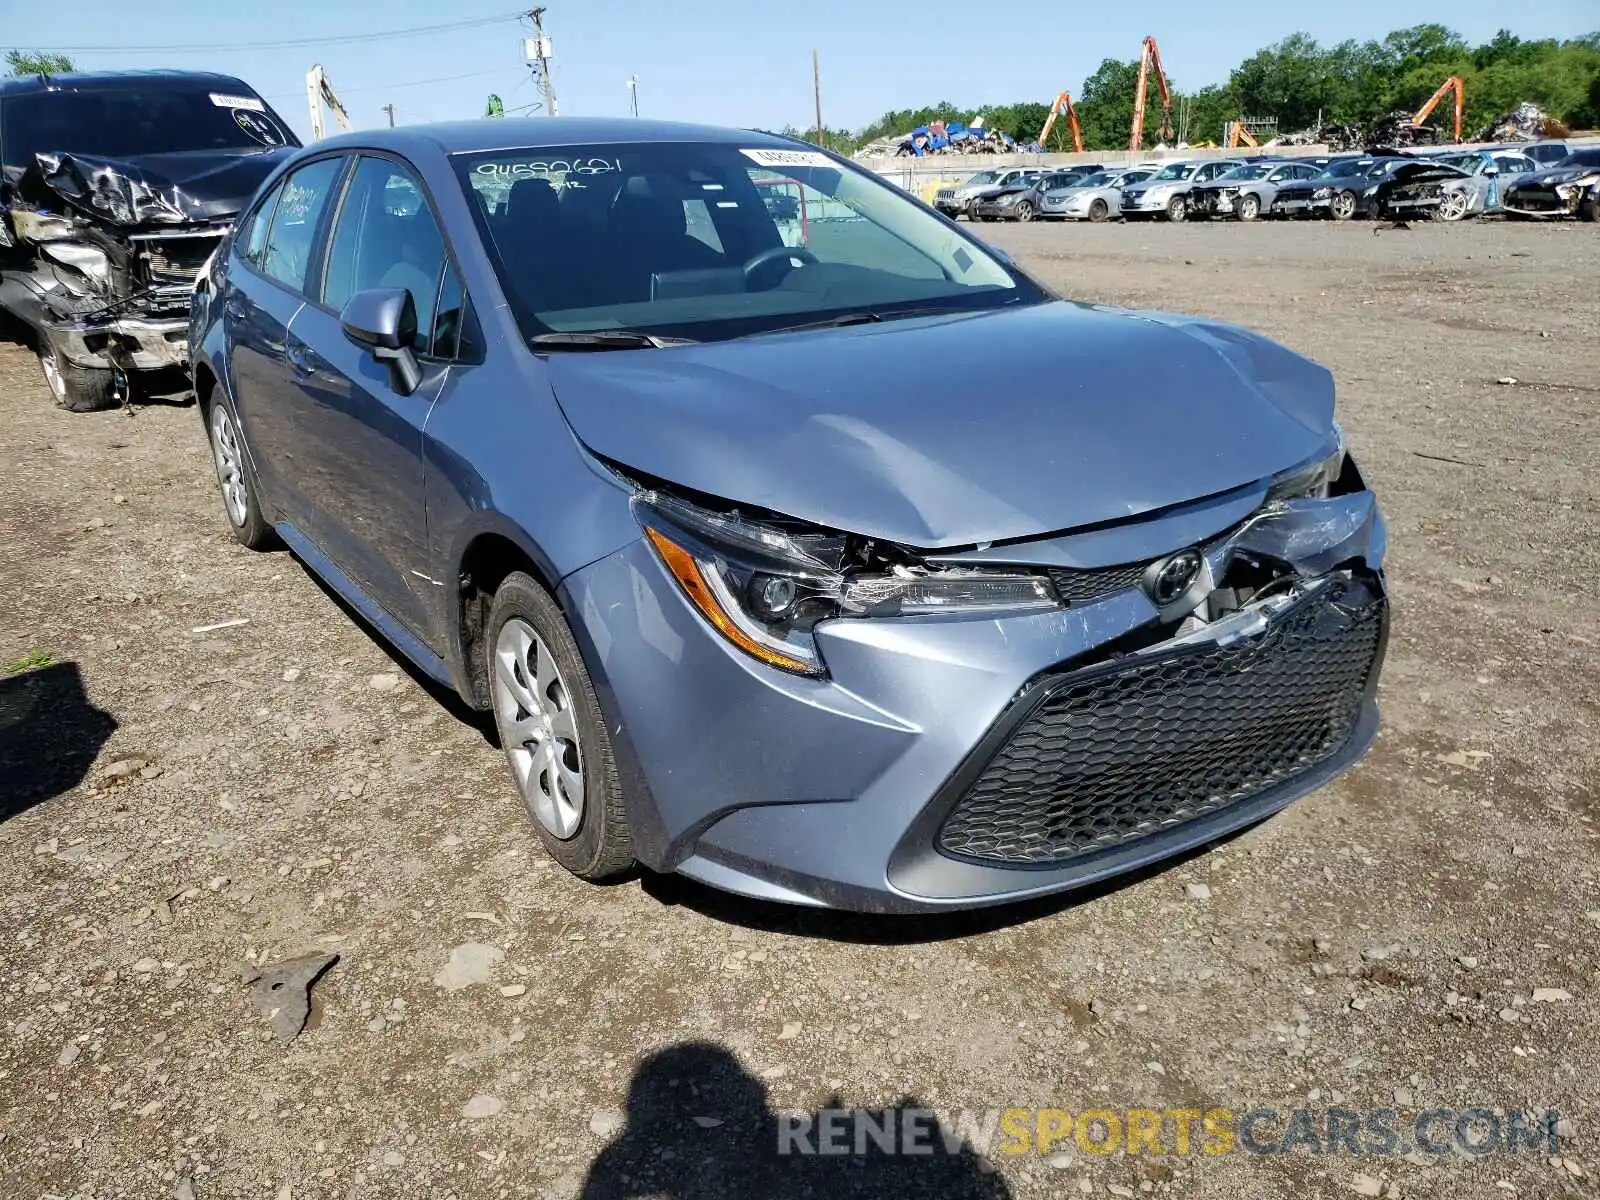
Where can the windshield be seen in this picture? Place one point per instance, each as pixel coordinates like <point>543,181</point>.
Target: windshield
<point>1254,172</point>
<point>123,123</point>
<point>1128,177</point>
<point>680,239</point>
<point>1174,171</point>
<point>983,177</point>
<point>1583,158</point>
<point>1098,179</point>
<point>1470,163</point>
<point>1347,167</point>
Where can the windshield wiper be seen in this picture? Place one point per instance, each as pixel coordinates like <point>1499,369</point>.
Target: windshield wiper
<point>605,339</point>
<point>864,318</point>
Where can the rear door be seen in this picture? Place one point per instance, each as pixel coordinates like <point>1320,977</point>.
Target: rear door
<point>265,289</point>
<point>361,438</point>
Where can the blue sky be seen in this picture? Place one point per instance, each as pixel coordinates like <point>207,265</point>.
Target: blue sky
<point>736,62</point>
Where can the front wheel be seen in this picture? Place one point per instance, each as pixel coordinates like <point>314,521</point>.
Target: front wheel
<point>1453,207</point>
<point>1024,210</point>
<point>553,733</point>
<point>1249,207</point>
<point>1343,207</point>
<point>76,389</point>
<point>1099,211</point>
<point>1177,209</point>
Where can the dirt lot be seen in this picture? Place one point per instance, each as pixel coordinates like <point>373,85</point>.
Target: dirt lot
<point>283,787</point>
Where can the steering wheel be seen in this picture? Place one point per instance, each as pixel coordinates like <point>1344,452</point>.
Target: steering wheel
<point>775,254</point>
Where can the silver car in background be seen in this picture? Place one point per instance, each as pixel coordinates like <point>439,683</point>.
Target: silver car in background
<point>1490,172</point>
<point>1166,193</point>
<point>1246,192</point>
<point>1097,197</point>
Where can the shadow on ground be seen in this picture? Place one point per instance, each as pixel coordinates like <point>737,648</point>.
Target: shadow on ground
<point>50,736</point>
<point>699,1125</point>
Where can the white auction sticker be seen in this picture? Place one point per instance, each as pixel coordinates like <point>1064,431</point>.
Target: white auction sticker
<point>222,100</point>
<point>788,158</point>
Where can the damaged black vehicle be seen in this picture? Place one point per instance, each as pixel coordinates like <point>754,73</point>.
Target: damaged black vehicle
<point>115,189</point>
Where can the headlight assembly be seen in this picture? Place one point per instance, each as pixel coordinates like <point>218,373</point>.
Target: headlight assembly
<point>1321,193</point>
<point>92,264</point>
<point>1313,480</point>
<point>764,588</point>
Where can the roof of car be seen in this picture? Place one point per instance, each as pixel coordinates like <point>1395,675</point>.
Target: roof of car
<point>99,81</point>
<point>519,133</point>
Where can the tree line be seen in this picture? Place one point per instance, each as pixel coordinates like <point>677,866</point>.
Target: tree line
<point>1304,84</point>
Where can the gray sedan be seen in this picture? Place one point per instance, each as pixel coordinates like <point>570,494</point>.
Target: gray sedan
<point>1095,198</point>
<point>1246,192</point>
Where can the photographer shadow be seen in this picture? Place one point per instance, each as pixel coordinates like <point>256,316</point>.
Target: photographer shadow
<point>50,735</point>
<point>700,1126</point>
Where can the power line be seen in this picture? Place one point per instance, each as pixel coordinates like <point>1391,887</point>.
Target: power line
<point>337,40</point>
<point>384,87</point>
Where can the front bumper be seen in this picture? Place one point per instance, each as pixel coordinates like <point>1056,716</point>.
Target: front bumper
<point>995,212</point>
<point>136,343</point>
<point>1145,203</point>
<point>833,792</point>
<point>1292,205</point>
<point>1543,203</point>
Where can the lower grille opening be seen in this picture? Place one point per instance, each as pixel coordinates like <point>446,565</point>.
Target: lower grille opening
<point>1143,743</point>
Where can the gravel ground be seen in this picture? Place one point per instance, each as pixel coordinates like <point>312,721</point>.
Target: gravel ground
<point>183,805</point>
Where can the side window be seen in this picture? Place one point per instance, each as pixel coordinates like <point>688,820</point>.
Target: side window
<point>453,335</point>
<point>1510,165</point>
<point>386,237</point>
<point>252,238</point>
<point>287,256</point>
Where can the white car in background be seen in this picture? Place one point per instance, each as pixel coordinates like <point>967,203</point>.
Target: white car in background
<point>1097,197</point>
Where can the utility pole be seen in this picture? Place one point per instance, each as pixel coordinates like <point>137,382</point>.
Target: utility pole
<point>816,87</point>
<point>389,108</point>
<point>536,52</point>
<point>633,94</point>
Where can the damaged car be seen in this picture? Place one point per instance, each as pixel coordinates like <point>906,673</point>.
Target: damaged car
<point>760,583</point>
<point>1246,192</point>
<point>1166,193</point>
<point>1096,197</point>
<point>1024,199</point>
<point>116,188</point>
<point>1337,191</point>
<point>1488,173</point>
<point>1571,188</point>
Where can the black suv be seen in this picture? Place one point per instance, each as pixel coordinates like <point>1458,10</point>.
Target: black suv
<point>115,187</point>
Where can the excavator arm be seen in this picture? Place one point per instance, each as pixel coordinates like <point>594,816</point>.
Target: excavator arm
<point>1150,59</point>
<point>1453,84</point>
<point>319,92</point>
<point>1063,104</point>
<point>1239,135</point>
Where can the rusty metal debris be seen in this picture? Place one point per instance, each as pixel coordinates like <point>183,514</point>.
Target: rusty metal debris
<point>281,991</point>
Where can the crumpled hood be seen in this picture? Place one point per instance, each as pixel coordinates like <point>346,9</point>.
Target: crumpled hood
<point>153,189</point>
<point>948,431</point>
<point>1554,175</point>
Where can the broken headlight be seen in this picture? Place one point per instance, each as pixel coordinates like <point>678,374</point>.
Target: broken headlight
<point>92,264</point>
<point>765,588</point>
<point>1321,193</point>
<point>1313,480</point>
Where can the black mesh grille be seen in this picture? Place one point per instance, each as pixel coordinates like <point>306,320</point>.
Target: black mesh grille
<point>1080,587</point>
<point>1114,754</point>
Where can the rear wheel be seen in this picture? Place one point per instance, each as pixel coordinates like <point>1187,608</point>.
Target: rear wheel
<point>1177,209</point>
<point>1099,211</point>
<point>553,733</point>
<point>1249,207</point>
<point>74,388</point>
<point>1343,206</point>
<point>238,487</point>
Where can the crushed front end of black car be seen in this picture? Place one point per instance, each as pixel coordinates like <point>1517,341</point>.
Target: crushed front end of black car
<point>106,220</point>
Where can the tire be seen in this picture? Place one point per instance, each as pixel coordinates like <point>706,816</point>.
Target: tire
<point>1248,207</point>
<point>972,211</point>
<point>1177,209</point>
<point>1024,210</point>
<point>76,389</point>
<point>1593,212</point>
<point>1453,207</point>
<point>241,502</point>
<point>532,662</point>
<point>1099,211</point>
<point>1343,206</point>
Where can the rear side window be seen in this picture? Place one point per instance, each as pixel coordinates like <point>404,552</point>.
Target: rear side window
<point>287,257</point>
<point>386,237</point>
<point>252,239</point>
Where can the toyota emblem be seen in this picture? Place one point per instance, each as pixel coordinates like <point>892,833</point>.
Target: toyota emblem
<point>1169,579</point>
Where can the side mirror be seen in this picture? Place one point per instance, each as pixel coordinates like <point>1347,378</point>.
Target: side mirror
<point>384,320</point>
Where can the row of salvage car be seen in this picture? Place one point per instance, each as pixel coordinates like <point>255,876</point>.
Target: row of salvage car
<point>1544,179</point>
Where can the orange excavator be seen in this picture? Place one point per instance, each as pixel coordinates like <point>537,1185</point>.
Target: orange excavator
<point>1453,84</point>
<point>1063,104</point>
<point>1239,135</point>
<point>1150,58</point>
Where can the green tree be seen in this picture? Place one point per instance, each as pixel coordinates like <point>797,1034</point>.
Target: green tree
<point>26,62</point>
